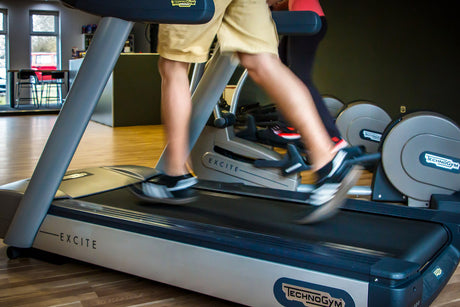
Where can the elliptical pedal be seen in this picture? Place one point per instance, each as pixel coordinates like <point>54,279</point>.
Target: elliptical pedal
<point>291,163</point>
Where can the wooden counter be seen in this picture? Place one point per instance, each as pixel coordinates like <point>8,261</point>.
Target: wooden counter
<point>132,94</point>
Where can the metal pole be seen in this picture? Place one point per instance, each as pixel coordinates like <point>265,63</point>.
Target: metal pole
<point>70,125</point>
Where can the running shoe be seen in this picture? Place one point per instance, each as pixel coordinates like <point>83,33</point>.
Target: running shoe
<point>334,181</point>
<point>167,189</point>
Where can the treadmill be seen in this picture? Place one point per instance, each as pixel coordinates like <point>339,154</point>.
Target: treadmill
<point>234,242</point>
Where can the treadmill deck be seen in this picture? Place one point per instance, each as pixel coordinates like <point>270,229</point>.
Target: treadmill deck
<point>263,227</point>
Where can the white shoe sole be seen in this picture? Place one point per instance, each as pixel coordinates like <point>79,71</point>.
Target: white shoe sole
<point>330,208</point>
<point>136,189</point>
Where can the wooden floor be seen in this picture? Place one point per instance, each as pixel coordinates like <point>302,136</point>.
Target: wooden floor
<point>32,282</point>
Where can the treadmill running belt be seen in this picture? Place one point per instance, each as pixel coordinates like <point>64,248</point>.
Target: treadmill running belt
<point>361,233</point>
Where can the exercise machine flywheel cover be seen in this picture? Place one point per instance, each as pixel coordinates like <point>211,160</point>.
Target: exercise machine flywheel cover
<point>333,105</point>
<point>421,155</point>
<point>362,123</point>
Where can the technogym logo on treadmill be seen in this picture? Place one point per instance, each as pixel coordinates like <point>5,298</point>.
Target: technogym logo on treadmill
<point>291,292</point>
<point>183,3</point>
<point>440,162</point>
<point>310,297</point>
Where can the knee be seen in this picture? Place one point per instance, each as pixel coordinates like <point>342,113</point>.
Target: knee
<point>170,69</point>
<point>163,65</point>
<point>259,65</point>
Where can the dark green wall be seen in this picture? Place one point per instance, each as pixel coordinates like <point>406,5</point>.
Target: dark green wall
<point>398,53</point>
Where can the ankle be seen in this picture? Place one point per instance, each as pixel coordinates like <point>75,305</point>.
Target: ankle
<point>339,144</point>
<point>174,172</point>
<point>323,172</point>
<point>322,160</point>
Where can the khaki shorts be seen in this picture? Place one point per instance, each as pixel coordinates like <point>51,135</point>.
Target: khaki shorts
<point>241,26</point>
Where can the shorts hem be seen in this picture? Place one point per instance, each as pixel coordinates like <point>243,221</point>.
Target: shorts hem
<point>249,51</point>
<point>183,57</point>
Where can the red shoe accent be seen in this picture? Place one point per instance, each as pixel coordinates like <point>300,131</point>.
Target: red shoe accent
<point>339,145</point>
<point>336,139</point>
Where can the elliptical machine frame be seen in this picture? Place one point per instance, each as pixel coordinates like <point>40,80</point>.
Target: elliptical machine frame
<point>400,176</point>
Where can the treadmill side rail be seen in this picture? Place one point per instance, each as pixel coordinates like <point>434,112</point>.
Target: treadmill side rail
<point>250,281</point>
<point>421,291</point>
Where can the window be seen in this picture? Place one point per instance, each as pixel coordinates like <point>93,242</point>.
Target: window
<point>44,40</point>
<point>3,55</point>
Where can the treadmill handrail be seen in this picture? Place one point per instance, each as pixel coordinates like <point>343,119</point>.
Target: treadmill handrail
<point>68,130</point>
<point>297,23</point>
<point>156,11</point>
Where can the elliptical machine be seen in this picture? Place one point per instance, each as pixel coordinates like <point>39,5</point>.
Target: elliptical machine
<point>415,156</point>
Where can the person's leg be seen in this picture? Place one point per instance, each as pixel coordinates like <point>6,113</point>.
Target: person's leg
<point>172,185</point>
<point>176,107</point>
<point>336,174</point>
<point>178,46</point>
<point>294,100</point>
<point>300,56</point>
<point>298,53</point>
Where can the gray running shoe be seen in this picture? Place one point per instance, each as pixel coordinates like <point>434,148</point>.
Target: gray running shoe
<point>331,189</point>
<point>167,189</point>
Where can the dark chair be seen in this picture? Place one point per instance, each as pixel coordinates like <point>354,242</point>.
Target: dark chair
<point>52,87</point>
<point>26,87</point>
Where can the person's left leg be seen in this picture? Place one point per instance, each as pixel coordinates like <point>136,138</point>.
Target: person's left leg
<point>256,41</point>
<point>336,173</point>
<point>294,100</point>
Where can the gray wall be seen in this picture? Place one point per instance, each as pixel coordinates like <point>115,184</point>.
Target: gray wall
<point>399,53</point>
<point>18,15</point>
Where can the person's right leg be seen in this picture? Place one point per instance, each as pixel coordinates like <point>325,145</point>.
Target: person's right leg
<point>172,185</point>
<point>176,107</point>
<point>178,46</point>
<point>294,100</point>
<point>256,41</point>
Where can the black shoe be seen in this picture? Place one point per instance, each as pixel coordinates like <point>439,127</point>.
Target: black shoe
<point>335,179</point>
<point>167,189</point>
